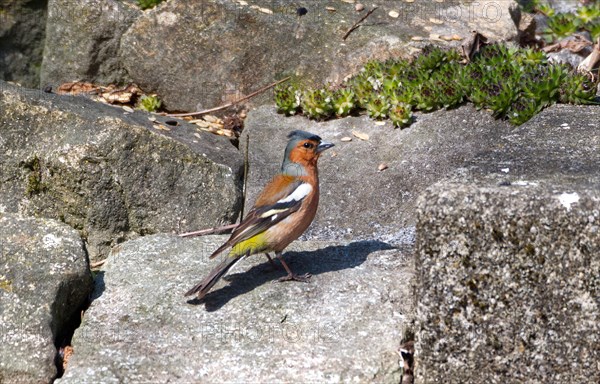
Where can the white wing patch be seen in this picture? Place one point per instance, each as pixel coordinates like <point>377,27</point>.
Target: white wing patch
<point>299,193</point>
<point>272,212</point>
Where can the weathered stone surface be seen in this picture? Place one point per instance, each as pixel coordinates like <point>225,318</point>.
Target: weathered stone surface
<point>508,284</point>
<point>344,325</point>
<point>110,174</point>
<point>83,40</point>
<point>560,145</point>
<point>198,54</point>
<point>22,31</point>
<point>44,282</point>
<point>358,201</point>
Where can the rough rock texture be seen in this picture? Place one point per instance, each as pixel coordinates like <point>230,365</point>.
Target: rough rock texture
<point>110,174</point>
<point>560,145</point>
<point>357,201</point>
<point>508,284</point>
<point>198,54</point>
<point>44,281</point>
<point>22,31</point>
<point>345,325</point>
<point>83,41</point>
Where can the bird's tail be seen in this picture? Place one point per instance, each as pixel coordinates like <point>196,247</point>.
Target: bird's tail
<point>205,285</point>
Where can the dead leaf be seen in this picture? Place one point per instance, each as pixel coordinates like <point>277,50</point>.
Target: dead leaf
<point>212,119</point>
<point>473,46</point>
<point>200,123</point>
<point>76,88</point>
<point>575,44</point>
<point>360,135</point>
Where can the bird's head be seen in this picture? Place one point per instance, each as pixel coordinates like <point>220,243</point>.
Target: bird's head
<point>303,150</point>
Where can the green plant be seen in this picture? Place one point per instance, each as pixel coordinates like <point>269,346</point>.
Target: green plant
<point>378,107</point>
<point>512,83</point>
<point>522,110</point>
<point>593,27</point>
<point>560,26</point>
<point>149,103</point>
<point>400,114</point>
<point>542,84</point>
<point>590,13</point>
<point>578,88</point>
<point>288,98</point>
<point>317,103</point>
<point>147,4</point>
<point>545,8</point>
<point>344,102</point>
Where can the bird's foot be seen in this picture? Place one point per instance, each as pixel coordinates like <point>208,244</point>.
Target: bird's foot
<point>292,277</point>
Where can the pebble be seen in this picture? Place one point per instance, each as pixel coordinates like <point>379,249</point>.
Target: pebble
<point>394,14</point>
<point>330,9</point>
<point>128,108</point>
<point>266,10</point>
<point>349,1</point>
<point>436,21</point>
<point>382,167</point>
<point>359,7</point>
<point>417,38</point>
<point>346,139</point>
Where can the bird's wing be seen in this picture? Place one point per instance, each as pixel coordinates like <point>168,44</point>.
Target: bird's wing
<point>261,218</point>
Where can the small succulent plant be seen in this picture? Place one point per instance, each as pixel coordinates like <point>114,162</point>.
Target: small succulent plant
<point>543,84</point>
<point>149,103</point>
<point>589,13</point>
<point>400,114</point>
<point>287,99</point>
<point>528,57</point>
<point>317,103</point>
<point>578,88</point>
<point>430,59</point>
<point>513,83</point>
<point>561,25</point>
<point>378,107</point>
<point>523,110</point>
<point>344,102</point>
<point>593,27</point>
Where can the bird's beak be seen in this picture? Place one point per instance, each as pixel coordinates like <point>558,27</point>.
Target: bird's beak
<point>323,146</point>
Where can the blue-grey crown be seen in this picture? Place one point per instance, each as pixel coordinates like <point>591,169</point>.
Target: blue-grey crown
<point>303,135</point>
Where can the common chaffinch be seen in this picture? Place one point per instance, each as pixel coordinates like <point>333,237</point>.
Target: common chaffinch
<point>282,212</point>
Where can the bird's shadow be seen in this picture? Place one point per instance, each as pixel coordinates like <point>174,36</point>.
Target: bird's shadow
<point>329,259</point>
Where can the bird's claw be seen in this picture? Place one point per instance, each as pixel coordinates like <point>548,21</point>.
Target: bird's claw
<point>291,277</point>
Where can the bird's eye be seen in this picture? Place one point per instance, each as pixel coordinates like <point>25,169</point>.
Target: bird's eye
<point>308,145</point>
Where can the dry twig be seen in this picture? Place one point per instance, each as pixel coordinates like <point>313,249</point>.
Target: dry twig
<point>225,106</point>
<point>591,61</point>
<point>209,231</point>
<point>357,24</point>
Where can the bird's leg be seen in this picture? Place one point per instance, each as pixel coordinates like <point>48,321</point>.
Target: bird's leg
<point>271,261</point>
<point>291,276</point>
